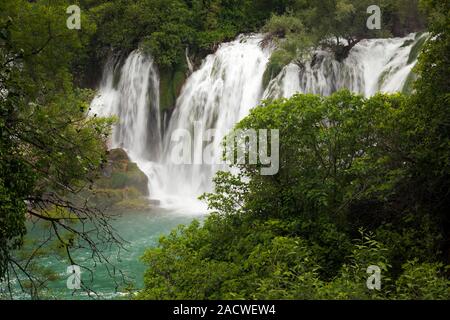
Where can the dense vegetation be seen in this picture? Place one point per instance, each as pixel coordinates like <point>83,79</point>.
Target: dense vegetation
<point>362,182</point>
<point>167,27</point>
<point>49,149</point>
<point>171,30</point>
<point>336,26</point>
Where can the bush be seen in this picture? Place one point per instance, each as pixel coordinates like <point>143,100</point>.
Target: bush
<point>422,281</point>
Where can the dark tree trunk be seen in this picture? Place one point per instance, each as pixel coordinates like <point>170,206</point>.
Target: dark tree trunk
<point>342,52</point>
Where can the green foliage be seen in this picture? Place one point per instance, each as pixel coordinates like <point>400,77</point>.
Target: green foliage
<point>328,153</point>
<point>171,82</point>
<point>237,258</point>
<point>347,164</point>
<point>165,28</point>
<point>427,122</point>
<point>415,50</point>
<point>37,33</point>
<point>259,264</point>
<point>335,25</point>
<point>49,148</point>
<point>287,236</point>
<point>422,281</point>
<point>351,282</point>
<point>166,39</point>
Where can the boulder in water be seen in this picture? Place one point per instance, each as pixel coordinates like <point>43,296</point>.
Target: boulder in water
<point>121,186</point>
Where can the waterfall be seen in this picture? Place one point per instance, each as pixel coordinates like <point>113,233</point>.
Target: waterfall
<point>130,91</point>
<point>219,94</point>
<point>132,95</point>
<point>376,65</point>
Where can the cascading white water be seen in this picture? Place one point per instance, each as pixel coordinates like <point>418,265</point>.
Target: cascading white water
<point>135,101</point>
<point>131,93</point>
<point>219,94</point>
<point>376,65</point>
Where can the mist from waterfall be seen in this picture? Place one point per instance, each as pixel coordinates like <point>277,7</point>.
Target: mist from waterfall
<point>218,95</point>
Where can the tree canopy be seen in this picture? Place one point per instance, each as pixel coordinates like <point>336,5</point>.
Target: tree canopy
<point>362,181</point>
<point>49,148</point>
<point>336,25</point>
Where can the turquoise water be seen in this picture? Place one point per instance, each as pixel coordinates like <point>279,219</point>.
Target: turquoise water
<point>140,231</point>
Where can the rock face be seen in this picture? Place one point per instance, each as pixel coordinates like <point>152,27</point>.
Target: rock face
<point>121,186</point>
<point>120,173</point>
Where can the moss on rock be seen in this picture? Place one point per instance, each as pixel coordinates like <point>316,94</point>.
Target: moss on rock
<point>277,62</point>
<point>116,155</point>
<point>138,204</point>
<point>119,199</point>
<point>417,47</point>
<point>171,82</point>
<point>408,87</point>
<point>122,184</point>
<point>120,173</point>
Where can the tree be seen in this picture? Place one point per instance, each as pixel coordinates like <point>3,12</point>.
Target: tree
<point>49,148</point>
<point>348,166</point>
<point>166,28</point>
<point>335,25</point>
<point>343,167</point>
<point>427,121</point>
